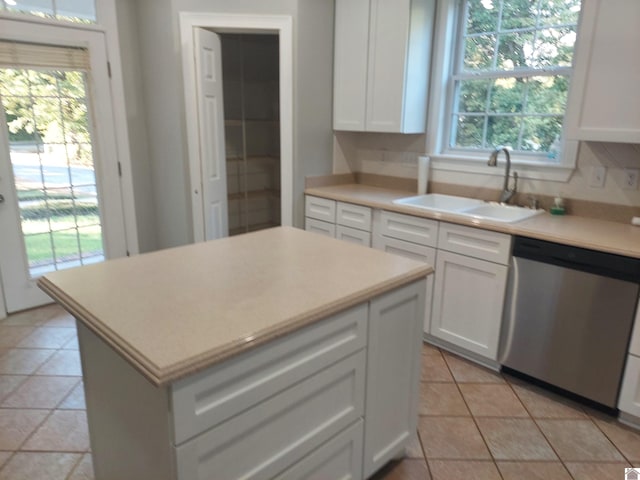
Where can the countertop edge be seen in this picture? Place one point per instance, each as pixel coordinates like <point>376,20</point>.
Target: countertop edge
<point>524,227</point>
<point>160,377</point>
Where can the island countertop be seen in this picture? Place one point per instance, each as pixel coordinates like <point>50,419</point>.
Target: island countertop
<point>174,312</point>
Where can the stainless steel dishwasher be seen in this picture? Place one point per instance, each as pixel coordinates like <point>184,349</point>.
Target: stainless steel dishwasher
<point>568,317</point>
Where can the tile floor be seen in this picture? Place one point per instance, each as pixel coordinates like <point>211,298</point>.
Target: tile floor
<point>473,424</point>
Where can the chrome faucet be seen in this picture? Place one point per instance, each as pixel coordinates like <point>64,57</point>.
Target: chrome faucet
<point>507,193</point>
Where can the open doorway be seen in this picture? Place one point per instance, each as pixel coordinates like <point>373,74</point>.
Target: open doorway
<point>250,77</point>
<point>209,207</point>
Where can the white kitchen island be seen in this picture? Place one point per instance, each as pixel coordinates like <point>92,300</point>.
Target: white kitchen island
<point>276,354</point>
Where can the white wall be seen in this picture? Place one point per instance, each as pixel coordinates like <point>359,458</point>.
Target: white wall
<point>136,124</point>
<point>163,99</point>
<point>396,155</point>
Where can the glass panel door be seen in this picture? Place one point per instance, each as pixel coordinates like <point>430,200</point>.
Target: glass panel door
<point>48,125</point>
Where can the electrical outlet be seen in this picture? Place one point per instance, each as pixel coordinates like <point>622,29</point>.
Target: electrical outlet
<point>598,175</point>
<point>630,178</point>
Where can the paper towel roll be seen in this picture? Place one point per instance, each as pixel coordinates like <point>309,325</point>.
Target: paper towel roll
<point>423,174</point>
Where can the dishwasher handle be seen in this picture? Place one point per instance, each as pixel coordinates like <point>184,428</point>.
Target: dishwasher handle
<point>576,258</point>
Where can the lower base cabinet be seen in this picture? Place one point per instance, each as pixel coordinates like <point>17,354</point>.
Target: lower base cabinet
<point>336,399</point>
<point>468,302</point>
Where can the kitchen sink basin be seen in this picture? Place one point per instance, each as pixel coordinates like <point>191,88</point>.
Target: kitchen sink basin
<point>499,212</point>
<point>471,207</point>
<point>440,202</point>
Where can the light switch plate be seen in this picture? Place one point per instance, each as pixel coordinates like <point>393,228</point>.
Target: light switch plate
<point>630,178</point>
<point>598,175</point>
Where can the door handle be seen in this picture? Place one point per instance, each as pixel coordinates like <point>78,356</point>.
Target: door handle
<point>1,198</point>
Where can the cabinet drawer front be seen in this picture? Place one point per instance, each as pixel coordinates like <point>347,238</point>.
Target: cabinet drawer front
<point>265,440</point>
<point>320,209</point>
<point>352,235</point>
<point>209,398</point>
<point>354,216</point>
<point>474,242</point>
<point>422,231</point>
<point>405,249</point>
<point>318,226</point>
<point>629,401</point>
<point>340,457</point>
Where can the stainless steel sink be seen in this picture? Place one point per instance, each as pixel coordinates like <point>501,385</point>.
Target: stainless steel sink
<point>470,207</point>
<point>439,202</point>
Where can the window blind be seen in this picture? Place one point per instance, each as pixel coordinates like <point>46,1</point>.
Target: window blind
<point>34,55</point>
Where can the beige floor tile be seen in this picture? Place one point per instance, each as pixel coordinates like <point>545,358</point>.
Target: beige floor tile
<point>47,337</point>
<point>61,319</point>
<point>434,369</point>
<point>428,349</point>
<point>72,344</point>
<point>63,362</point>
<point>492,400</point>
<point>414,449</point>
<point>463,470</point>
<point>75,400</point>
<point>8,383</point>
<point>543,404</point>
<point>578,441</point>
<point>84,469</point>
<point>4,456</point>
<point>626,439</point>
<point>465,371</point>
<point>40,392</point>
<point>36,316</point>
<point>23,362</point>
<point>597,471</point>
<point>63,431</point>
<point>39,466</point>
<point>17,425</point>
<point>442,399</point>
<point>533,471</point>
<point>451,438</point>
<point>11,336</point>
<point>407,469</point>
<point>515,439</point>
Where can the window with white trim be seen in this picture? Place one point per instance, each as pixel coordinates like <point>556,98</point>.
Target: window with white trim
<point>510,76</point>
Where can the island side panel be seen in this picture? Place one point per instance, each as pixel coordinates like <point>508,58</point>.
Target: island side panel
<point>128,417</point>
<point>393,373</point>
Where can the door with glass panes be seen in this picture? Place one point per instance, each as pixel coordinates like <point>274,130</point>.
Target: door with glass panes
<point>61,204</point>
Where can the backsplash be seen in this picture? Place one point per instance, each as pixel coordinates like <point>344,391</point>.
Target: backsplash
<point>396,155</point>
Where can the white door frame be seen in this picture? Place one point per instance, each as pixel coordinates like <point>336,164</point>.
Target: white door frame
<point>238,23</point>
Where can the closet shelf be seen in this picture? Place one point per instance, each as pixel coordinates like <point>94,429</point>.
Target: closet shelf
<point>267,192</point>
<point>255,158</point>
<point>265,121</point>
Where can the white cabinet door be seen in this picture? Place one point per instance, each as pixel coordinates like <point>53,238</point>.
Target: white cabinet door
<point>629,401</point>
<point>417,252</point>
<point>381,64</point>
<point>350,64</point>
<point>604,104</point>
<point>393,373</point>
<point>320,208</point>
<point>468,301</point>
<point>399,54</point>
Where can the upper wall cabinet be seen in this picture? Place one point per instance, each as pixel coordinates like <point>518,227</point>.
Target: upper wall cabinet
<point>605,103</point>
<point>381,65</point>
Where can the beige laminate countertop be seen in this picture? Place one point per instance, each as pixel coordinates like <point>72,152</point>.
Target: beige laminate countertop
<point>582,232</point>
<point>174,312</point>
